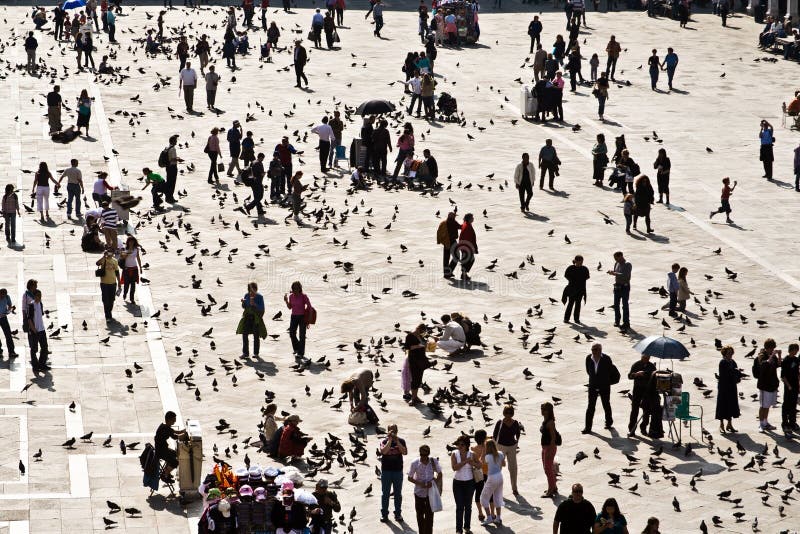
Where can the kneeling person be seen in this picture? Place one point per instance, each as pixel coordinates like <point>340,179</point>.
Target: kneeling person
<point>453,338</point>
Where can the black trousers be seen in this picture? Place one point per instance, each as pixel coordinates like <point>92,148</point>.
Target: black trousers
<point>525,194</point>
<point>535,39</point>
<point>422,505</point>
<point>767,158</point>
<point>379,162</point>
<point>598,171</point>
<point>636,403</point>
<point>604,394</point>
<point>7,334</point>
<point>789,407</point>
<point>547,166</point>
<point>172,179</point>
<point>449,260</point>
<point>573,302</point>
<point>298,71</point>
<point>38,342</point>
<point>324,150</point>
<point>108,293</point>
<point>258,194</point>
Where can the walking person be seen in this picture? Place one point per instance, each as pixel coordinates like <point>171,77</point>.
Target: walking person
<point>252,321</point>
<point>31,44</point>
<point>418,361</point>
<point>728,377</point>
<point>463,462</point>
<point>506,434</point>
<point>296,191</point>
<point>37,334</point>
<point>641,373</point>
<point>493,487</point>
<point>548,163</point>
<point>54,102</point>
<point>392,449</point>
<point>202,49</point>
<point>613,49</point>
<point>447,236</point>
<point>326,138</point>
<point>74,187</point>
<point>765,367</point>
<point>212,83</point>
<point>84,112</point>
<point>622,289</point>
<point>602,374</point>
<point>767,140</point>
<point>539,61</point>
<point>670,64</point>
<point>425,473</point>
<point>600,92</point>
<point>214,152</point>
<point>131,267</point>
<point>643,197</point>
<point>6,307</point>
<point>298,302</point>
<point>672,288</point>
<point>187,83</point>
<point>109,280</point>
<point>377,16</point>
<point>10,208</point>
<point>41,189</point>
<point>300,60</point>
<point>467,247</point>
<point>725,200</point>
<point>550,441</point>
<point>234,137</point>
<point>790,375</point>
<point>576,274</point>
<point>599,160</point>
<point>662,165</point>
<point>610,519</point>
<point>797,168</point>
<point>257,171</point>
<point>655,67</point>
<point>574,515</point>
<point>535,32</point>
<point>524,174</point>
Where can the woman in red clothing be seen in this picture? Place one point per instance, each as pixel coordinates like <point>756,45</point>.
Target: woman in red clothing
<point>293,441</point>
<point>467,246</point>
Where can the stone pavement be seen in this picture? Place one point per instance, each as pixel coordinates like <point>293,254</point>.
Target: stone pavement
<point>67,490</point>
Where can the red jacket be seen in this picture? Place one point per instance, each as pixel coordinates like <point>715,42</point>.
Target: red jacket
<point>468,236</point>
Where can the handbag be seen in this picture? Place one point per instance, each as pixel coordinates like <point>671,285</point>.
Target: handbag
<point>220,166</point>
<point>311,36</point>
<point>100,271</point>
<point>336,38</point>
<point>357,418</point>
<point>477,474</point>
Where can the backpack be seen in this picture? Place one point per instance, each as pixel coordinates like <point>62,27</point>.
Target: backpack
<point>163,158</point>
<point>614,375</point>
<point>756,367</point>
<point>311,316</point>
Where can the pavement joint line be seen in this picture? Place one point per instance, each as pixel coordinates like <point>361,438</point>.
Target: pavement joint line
<point>73,421</point>
<point>23,446</point>
<point>96,365</point>
<point>17,374</point>
<point>16,527</point>
<point>63,305</point>
<point>16,147</point>
<point>98,111</point>
<point>732,243</point>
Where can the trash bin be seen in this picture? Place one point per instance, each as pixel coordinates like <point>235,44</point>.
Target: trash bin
<point>527,102</point>
<point>190,460</point>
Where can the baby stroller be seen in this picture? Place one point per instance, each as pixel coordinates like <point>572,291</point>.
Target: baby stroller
<point>448,107</point>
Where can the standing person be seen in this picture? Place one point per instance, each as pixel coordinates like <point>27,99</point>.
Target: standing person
<point>377,16</point>
<point>284,150</point>
<point>100,189</point>
<point>10,208</point>
<point>539,61</point>
<point>214,152</point>
<point>425,473</point>
<point>405,146</point>
<point>723,12</point>
<point>766,366</point>
<point>797,168</point>
<point>683,289</point>
<point>447,236</point>
<point>202,49</point>
<point>594,62</point>
<point>327,504</point>
<point>467,247</point>
<point>88,50</point>
<point>479,453</point>
<point>337,126</point>
<point>298,302</point>
<point>188,82</point>
<point>329,27</point>
<point>427,88</point>
<point>109,220</point>
<point>212,83</point>
<point>548,162</point>
<point>74,187</point>
<point>111,21</point>
<point>6,307</point>
<point>613,49</point>
<point>415,85</point>
<point>790,376</point>
<point>252,321</point>
<point>524,174</point>
<point>463,462</point>
<point>157,184</point>
<point>493,487</point>
<point>506,436</point>
<point>574,68</point>
<point>601,94</point>
<point>172,169</point>
<point>392,449</point>
<point>610,519</point>
<point>54,109</point>
<point>670,64</point>
<point>574,515</point>
<point>535,32</point>
<point>326,137</point>
<point>725,201</point>
<point>37,334</point>
<point>257,170</point>
<point>599,160</point>
<point>662,165</point>
<point>300,60</point>
<point>381,145</point>
<point>641,373</point>
<point>58,21</point>
<point>317,23</point>
<point>182,51</point>
<point>84,112</point>
<point>672,288</point>
<point>234,137</point>
<point>366,141</point>
<point>767,140</point>
<point>41,189</point>
<point>550,441</point>
<point>417,360</point>
<point>109,281</point>
<point>622,289</point>
<point>655,66</point>
<point>132,267</point>
<point>31,44</point>
<point>296,191</point>
<point>576,274</point>
<point>602,373</point>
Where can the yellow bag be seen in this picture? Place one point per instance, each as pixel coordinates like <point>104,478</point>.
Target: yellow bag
<point>430,346</point>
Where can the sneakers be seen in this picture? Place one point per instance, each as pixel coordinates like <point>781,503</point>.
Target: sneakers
<point>488,521</point>
<point>398,518</point>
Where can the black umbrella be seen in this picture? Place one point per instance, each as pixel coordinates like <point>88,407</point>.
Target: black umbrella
<point>375,107</point>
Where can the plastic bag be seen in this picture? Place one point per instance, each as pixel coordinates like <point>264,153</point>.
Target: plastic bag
<point>435,498</point>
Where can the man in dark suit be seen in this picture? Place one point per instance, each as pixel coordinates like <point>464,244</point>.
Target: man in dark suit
<point>601,373</point>
<point>300,59</point>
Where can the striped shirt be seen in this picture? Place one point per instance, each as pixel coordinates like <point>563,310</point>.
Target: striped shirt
<point>109,218</point>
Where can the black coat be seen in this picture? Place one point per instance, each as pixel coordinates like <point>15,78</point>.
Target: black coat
<point>643,198</point>
<point>601,379</point>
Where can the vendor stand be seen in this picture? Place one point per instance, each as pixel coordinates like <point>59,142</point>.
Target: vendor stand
<point>466,19</point>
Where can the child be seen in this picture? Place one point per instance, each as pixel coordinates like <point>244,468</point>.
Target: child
<point>725,207</point>
<point>627,209</point>
<point>270,426</point>
<point>248,149</point>
<point>593,63</point>
<point>10,209</point>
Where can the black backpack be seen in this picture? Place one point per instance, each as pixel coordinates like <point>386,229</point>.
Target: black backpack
<point>756,367</point>
<point>163,158</point>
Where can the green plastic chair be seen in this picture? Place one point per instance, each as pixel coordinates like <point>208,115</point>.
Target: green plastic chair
<point>683,413</point>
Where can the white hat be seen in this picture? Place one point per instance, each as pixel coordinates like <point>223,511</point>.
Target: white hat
<point>224,507</point>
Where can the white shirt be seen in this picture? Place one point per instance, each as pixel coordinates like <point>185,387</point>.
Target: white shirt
<point>324,132</point>
<point>130,259</point>
<point>38,319</point>
<point>453,330</point>
<point>189,76</point>
<point>416,85</point>
<point>465,472</point>
<point>99,188</point>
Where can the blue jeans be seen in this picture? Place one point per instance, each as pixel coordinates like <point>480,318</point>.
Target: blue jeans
<point>621,293</point>
<point>74,192</point>
<point>418,99</point>
<point>670,75</point>
<point>246,344</point>
<point>11,226</point>
<point>673,302</point>
<point>298,344</point>
<point>391,480</point>
<point>462,493</point>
